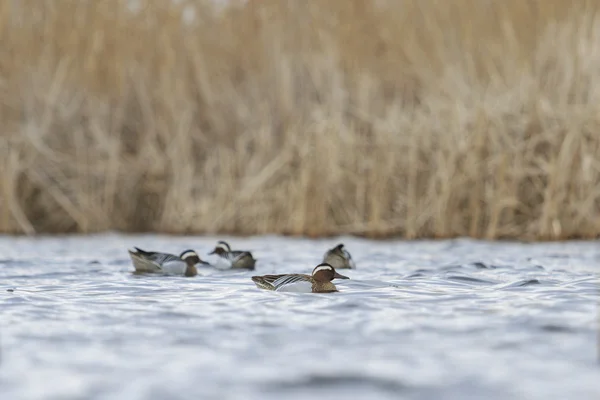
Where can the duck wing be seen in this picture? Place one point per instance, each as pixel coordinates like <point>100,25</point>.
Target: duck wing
<point>266,281</point>
<point>157,257</point>
<point>150,261</point>
<point>298,283</point>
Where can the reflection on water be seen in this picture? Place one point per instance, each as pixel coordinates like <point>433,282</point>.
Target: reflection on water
<point>454,319</point>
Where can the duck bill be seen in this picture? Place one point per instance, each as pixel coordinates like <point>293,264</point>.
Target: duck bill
<point>212,252</point>
<point>339,276</point>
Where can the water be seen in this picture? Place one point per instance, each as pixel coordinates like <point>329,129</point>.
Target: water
<point>454,319</point>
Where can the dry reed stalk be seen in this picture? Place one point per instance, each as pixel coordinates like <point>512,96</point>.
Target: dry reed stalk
<point>418,118</point>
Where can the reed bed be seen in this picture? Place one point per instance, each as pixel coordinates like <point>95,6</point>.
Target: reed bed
<point>410,118</point>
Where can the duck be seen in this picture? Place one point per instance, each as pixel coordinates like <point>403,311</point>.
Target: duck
<point>235,259</point>
<point>168,264</point>
<point>339,258</point>
<point>318,282</point>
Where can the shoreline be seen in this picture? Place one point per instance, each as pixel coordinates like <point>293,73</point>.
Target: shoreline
<point>339,236</point>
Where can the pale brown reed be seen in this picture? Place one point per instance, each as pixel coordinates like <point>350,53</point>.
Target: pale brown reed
<point>417,118</point>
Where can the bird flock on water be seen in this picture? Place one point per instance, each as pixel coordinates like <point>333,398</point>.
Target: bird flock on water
<point>188,262</point>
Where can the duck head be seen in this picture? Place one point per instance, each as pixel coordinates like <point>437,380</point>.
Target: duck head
<point>221,248</point>
<point>190,257</point>
<point>326,273</point>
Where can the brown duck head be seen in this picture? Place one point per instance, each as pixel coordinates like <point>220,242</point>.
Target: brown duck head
<point>326,273</point>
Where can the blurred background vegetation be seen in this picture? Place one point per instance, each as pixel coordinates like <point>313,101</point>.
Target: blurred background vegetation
<point>417,118</point>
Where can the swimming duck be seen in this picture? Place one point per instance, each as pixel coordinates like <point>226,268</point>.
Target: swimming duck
<point>170,264</point>
<point>229,259</point>
<point>318,282</point>
<point>339,257</point>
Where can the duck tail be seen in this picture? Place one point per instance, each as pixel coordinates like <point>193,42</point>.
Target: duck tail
<point>262,283</point>
<point>141,252</point>
<point>140,263</point>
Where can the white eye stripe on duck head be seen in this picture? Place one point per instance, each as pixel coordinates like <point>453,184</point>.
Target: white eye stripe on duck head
<point>322,267</point>
<point>223,245</point>
<point>187,254</point>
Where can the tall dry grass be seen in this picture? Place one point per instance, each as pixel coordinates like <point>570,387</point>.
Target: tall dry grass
<point>420,118</point>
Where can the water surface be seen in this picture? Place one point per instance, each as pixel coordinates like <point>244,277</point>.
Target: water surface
<point>457,319</point>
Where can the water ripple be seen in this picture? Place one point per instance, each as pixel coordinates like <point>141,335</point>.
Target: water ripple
<point>417,320</point>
